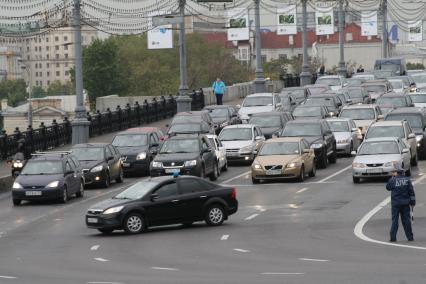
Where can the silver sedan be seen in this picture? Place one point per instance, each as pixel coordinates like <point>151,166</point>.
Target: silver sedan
<point>348,136</point>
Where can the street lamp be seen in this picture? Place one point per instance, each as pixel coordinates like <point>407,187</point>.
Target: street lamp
<point>27,68</point>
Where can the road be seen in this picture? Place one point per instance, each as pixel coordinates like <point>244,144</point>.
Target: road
<point>283,233</point>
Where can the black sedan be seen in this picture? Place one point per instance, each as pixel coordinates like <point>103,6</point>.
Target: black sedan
<point>270,123</point>
<point>223,115</point>
<point>163,201</point>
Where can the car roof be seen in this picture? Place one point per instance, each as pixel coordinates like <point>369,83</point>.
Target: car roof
<point>316,86</point>
<point>216,106</point>
<point>393,95</point>
<point>246,125</point>
<point>387,123</point>
<point>140,130</point>
<point>184,137</point>
<point>305,121</point>
<point>48,157</point>
<point>90,145</point>
<point>293,88</point>
<point>306,106</point>
<point>198,112</point>
<point>402,110</point>
<point>284,139</point>
<point>374,82</point>
<point>326,94</point>
<point>329,76</point>
<point>358,106</point>
<point>272,113</point>
<point>261,95</point>
<point>339,119</point>
<point>378,139</point>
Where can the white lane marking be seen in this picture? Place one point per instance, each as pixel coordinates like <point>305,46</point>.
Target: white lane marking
<point>224,237</point>
<point>241,250</point>
<point>359,227</point>
<point>164,268</point>
<point>104,282</point>
<point>282,273</point>
<point>238,176</point>
<point>302,190</point>
<point>58,219</point>
<point>278,185</point>
<point>8,277</point>
<point>314,259</point>
<point>101,259</point>
<point>335,174</point>
<point>95,247</point>
<point>251,217</point>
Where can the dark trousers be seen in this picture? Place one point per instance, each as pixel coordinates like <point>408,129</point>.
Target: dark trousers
<point>219,99</point>
<point>404,211</point>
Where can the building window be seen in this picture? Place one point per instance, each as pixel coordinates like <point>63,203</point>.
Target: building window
<point>66,47</point>
<point>39,40</point>
<point>28,57</point>
<point>243,54</point>
<point>66,55</point>
<point>40,74</point>
<point>93,38</point>
<point>56,38</point>
<point>28,49</point>
<point>67,73</point>
<point>57,56</point>
<point>36,83</point>
<point>65,38</point>
<point>41,83</point>
<point>47,48</point>
<point>36,74</point>
<point>48,73</point>
<point>35,48</point>
<point>47,39</point>
<point>263,59</point>
<point>58,73</point>
<point>47,56</point>
<point>48,82</point>
<point>282,57</point>
<point>57,65</point>
<point>66,64</point>
<point>47,65</point>
<point>57,47</point>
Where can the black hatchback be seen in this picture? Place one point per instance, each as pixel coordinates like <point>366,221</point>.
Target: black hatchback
<point>163,201</point>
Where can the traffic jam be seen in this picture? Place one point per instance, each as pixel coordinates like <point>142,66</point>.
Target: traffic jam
<point>376,118</point>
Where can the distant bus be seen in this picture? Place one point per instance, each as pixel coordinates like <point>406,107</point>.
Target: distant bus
<point>394,65</point>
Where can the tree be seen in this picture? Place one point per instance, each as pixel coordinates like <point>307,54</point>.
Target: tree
<point>56,88</point>
<point>415,66</point>
<point>38,92</point>
<point>275,68</point>
<point>14,91</point>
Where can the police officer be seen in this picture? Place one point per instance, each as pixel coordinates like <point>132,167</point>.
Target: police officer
<point>402,197</point>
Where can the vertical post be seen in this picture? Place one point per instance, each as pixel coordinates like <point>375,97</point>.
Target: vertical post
<point>30,90</point>
<point>259,81</point>
<point>385,28</point>
<point>305,76</point>
<point>80,124</point>
<point>342,66</point>
<point>183,100</point>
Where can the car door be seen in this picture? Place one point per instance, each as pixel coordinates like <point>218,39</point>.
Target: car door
<point>411,138</point>
<point>154,143</point>
<point>78,169</point>
<point>115,163</point>
<point>308,158</point>
<point>222,152</point>
<point>70,177</point>
<point>356,140</point>
<point>406,157</point>
<point>208,155</point>
<point>258,138</point>
<point>328,136</point>
<point>193,196</point>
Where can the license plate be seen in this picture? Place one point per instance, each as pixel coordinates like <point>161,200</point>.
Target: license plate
<point>126,165</point>
<point>33,193</point>
<point>92,220</point>
<point>374,171</point>
<point>172,171</point>
<point>273,172</point>
<point>232,154</point>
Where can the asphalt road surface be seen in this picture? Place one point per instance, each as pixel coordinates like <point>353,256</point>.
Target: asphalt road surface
<point>283,233</point>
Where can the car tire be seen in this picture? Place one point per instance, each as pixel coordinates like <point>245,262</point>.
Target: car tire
<point>16,202</point>
<point>324,161</point>
<point>64,198</point>
<point>106,182</point>
<point>120,177</point>
<point>301,177</point>
<point>313,172</point>
<point>134,223</point>
<point>213,176</point>
<point>408,172</point>
<point>351,148</point>
<point>225,167</point>
<point>255,180</point>
<point>219,169</point>
<point>106,231</point>
<point>333,157</point>
<point>356,179</point>
<point>414,161</point>
<point>215,215</point>
<point>80,192</point>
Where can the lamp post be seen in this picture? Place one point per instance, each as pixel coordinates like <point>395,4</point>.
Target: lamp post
<point>259,81</point>
<point>27,68</point>
<point>342,65</point>
<point>305,76</point>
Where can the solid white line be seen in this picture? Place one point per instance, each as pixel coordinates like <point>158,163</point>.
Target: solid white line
<point>302,190</point>
<point>314,259</point>
<point>241,250</point>
<point>251,217</point>
<point>104,282</point>
<point>8,277</point>
<point>94,247</point>
<point>101,259</point>
<point>335,174</point>
<point>359,228</point>
<point>164,268</point>
<point>224,237</point>
<point>238,176</point>
<point>282,273</point>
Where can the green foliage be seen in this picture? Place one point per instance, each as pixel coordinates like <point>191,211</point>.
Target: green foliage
<point>275,68</point>
<point>56,88</point>
<point>14,91</point>
<point>415,66</point>
<point>38,92</point>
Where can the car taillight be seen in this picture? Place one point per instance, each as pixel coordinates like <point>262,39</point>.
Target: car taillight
<point>234,193</point>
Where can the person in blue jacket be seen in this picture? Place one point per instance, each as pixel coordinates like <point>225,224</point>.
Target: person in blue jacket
<point>402,197</point>
<point>219,89</point>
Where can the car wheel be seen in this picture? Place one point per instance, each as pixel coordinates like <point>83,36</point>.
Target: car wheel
<point>64,197</point>
<point>219,169</point>
<point>120,177</point>
<point>80,192</point>
<point>301,177</point>
<point>314,170</point>
<point>408,172</point>
<point>225,167</point>
<point>214,174</point>
<point>414,161</point>
<point>215,215</point>
<point>356,179</point>
<point>255,180</point>
<point>324,161</point>
<point>16,202</point>
<point>351,149</point>
<point>106,181</point>
<point>134,223</point>
<point>106,231</point>
<point>333,157</point>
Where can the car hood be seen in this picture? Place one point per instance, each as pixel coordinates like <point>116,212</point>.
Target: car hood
<point>37,180</point>
<point>341,135</point>
<point>255,109</point>
<point>335,88</point>
<point>126,151</point>
<point>314,139</point>
<point>276,159</point>
<point>420,104</point>
<point>108,203</point>
<point>386,109</point>
<point>375,95</point>
<point>236,144</point>
<point>363,123</point>
<point>176,157</point>
<point>377,159</point>
<point>89,164</point>
<point>219,119</point>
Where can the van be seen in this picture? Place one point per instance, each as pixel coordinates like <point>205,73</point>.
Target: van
<point>395,65</point>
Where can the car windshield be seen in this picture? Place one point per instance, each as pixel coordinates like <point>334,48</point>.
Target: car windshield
<point>313,111</point>
<point>232,134</point>
<point>364,76</point>
<point>355,81</point>
<point>329,81</point>
<point>339,126</point>
<point>385,131</point>
<point>137,191</point>
<point>279,148</point>
<point>43,168</point>
<point>392,101</point>
<point>414,120</point>
<point>130,140</point>
<point>266,121</point>
<point>320,102</point>
<point>219,112</point>
<point>180,146</point>
<point>418,98</point>
<point>375,88</point>
<point>257,101</point>
<point>419,78</point>
<point>316,90</point>
<point>186,119</point>
<point>89,154</point>
<point>306,129</point>
<point>358,113</point>
<point>297,93</point>
<point>396,84</point>
<point>378,148</point>
<point>354,93</point>
<point>185,128</point>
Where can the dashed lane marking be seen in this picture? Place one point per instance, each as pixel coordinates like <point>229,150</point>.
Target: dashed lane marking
<point>241,250</point>
<point>164,268</point>
<point>251,217</point>
<point>302,190</point>
<point>101,259</point>
<point>95,247</point>
<point>236,177</point>
<point>8,277</point>
<point>104,282</point>
<point>282,273</point>
<point>224,237</point>
<point>314,259</point>
<point>335,174</point>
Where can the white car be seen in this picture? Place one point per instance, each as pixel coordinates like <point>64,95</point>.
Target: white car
<point>241,141</point>
<point>257,103</point>
<point>419,79</point>
<point>335,82</point>
<point>418,99</point>
<point>220,151</point>
<point>398,86</point>
<point>362,115</point>
<point>348,136</point>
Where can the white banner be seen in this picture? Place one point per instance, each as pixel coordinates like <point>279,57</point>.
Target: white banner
<point>287,20</point>
<point>415,31</point>
<point>238,25</point>
<point>369,23</point>
<point>160,37</point>
<point>324,20</point>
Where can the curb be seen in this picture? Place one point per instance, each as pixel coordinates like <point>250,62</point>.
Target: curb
<point>6,183</point>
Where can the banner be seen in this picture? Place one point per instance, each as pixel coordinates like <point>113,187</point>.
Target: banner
<point>324,20</point>
<point>369,23</point>
<point>287,20</point>
<point>160,37</point>
<point>415,32</point>
<point>238,25</point>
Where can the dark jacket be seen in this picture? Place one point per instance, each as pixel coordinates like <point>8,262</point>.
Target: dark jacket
<point>402,191</point>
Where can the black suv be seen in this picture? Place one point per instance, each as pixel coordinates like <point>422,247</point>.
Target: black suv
<point>138,147</point>
<point>49,176</point>
<point>101,163</point>
<point>318,134</point>
<point>416,117</point>
<point>186,155</point>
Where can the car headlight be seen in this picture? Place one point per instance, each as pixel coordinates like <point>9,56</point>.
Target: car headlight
<point>16,185</point>
<point>316,145</point>
<point>53,184</point>
<point>419,138</point>
<point>293,165</point>
<point>18,164</point>
<point>191,163</point>
<point>246,149</point>
<point>343,141</point>
<point>257,166</point>
<point>223,124</point>
<point>141,156</point>
<point>390,164</point>
<point>97,169</point>
<point>113,210</point>
<point>157,164</point>
<point>358,165</point>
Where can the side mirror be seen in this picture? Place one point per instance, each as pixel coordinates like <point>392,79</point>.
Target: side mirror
<point>110,158</point>
<point>411,136</point>
<point>155,145</point>
<point>167,125</point>
<point>328,132</point>
<point>221,148</point>
<point>405,150</point>
<point>154,197</point>
<point>354,129</point>
<point>279,104</point>
<point>339,104</point>
<point>306,151</point>
<point>206,151</point>
<point>238,106</point>
<point>348,101</point>
<point>353,153</point>
<point>411,105</point>
<point>259,138</point>
<point>380,117</point>
<point>69,173</point>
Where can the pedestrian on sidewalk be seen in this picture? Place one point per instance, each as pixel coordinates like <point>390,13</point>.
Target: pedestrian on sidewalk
<point>219,89</point>
<point>402,197</point>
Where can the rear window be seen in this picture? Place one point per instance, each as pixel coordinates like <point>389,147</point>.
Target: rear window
<point>34,167</point>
